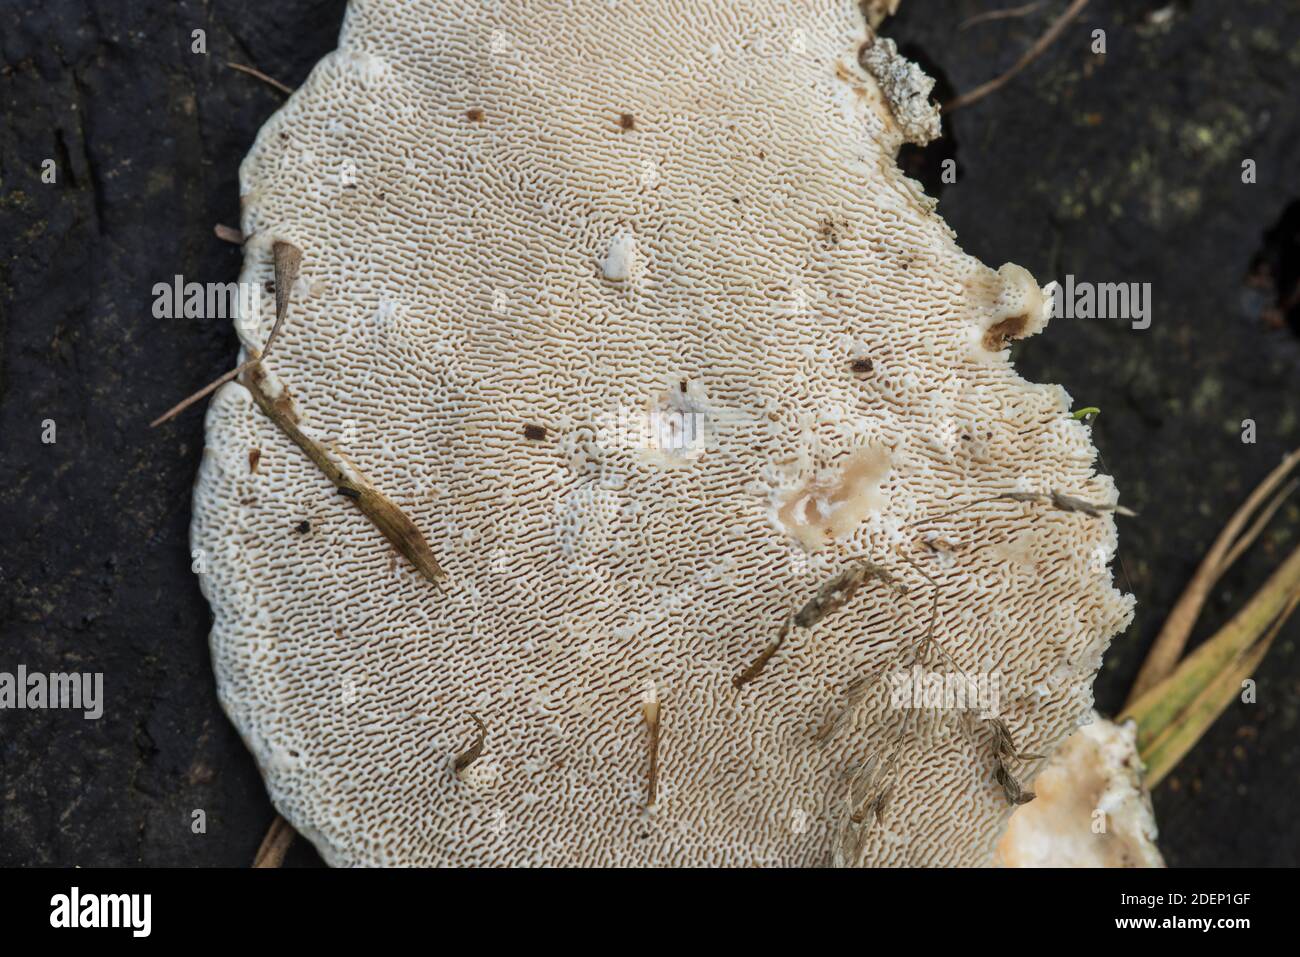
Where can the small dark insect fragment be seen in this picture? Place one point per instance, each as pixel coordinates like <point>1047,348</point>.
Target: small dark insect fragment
<point>303,527</point>
<point>470,755</point>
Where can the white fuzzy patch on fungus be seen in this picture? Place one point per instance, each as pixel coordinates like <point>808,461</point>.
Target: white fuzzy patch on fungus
<point>620,262</point>
<point>580,568</point>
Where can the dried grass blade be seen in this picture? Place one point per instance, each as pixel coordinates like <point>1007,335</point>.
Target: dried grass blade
<point>1228,546</point>
<point>1159,707</point>
<point>1164,753</point>
<point>275,845</point>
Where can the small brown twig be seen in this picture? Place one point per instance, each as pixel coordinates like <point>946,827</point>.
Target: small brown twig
<point>394,524</point>
<point>756,669</point>
<point>650,712</point>
<point>273,398</point>
<point>254,72</point>
<point>1005,14</point>
<point>275,845</point>
<point>1061,501</point>
<point>228,234</point>
<point>1028,57</point>
<point>211,387</point>
<point>474,751</point>
<point>288,259</point>
<point>830,598</point>
<point>1231,543</point>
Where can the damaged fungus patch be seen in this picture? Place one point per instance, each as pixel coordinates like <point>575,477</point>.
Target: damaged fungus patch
<point>487,246</point>
<point>1000,333</point>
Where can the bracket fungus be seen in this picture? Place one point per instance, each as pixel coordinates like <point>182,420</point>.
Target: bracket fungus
<point>546,263</point>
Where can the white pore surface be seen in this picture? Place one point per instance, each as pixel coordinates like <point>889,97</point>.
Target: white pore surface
<point>467,274</point>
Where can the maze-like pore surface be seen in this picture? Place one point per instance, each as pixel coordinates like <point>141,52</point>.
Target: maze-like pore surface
<point>582,218</point>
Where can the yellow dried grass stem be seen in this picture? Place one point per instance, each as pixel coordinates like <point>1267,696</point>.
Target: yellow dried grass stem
<point>1227,548</point>
<point>1173,715</point>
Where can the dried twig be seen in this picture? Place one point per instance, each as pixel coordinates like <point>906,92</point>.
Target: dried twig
<point>287,258</point>
<point>1169,703</point>
<point>474,751</point>
<point>1161,754</point>
<point>1227,548</point>
<point>254,72</point>
<point>830,597</point>
<point>228,234</point>
<point>273,397</point>
<point>395,525</point>
<point>756,669</point>
<point>275,845</point>
<point>1057,499</point>
<point>1028,57</point>
<point>1006,14</point>
<point>208,389</point>
<point>650,712</point>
